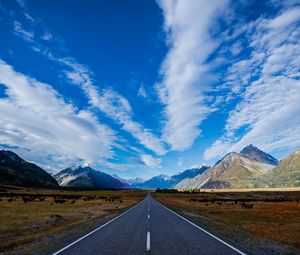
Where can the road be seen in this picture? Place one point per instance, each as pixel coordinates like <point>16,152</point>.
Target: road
<point>148,228</point>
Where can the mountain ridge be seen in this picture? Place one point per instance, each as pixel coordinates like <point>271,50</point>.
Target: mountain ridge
<point>249,168</point>
<point>16,171</point>
<point>233,170</point>
<point>285,174</point>
<point>164,181</point>
<point>87,177</point>
<point>254,153</point>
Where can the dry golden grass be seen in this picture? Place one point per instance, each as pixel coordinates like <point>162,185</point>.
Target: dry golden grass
<point>249,190</point>
<point>270,215</point>
<point>45,212</point>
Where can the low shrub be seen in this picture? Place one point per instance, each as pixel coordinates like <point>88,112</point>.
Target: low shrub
<point>59,201</point>
<point>246,205</point>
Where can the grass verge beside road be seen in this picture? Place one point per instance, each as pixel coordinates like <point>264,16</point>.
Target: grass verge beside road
<point>27,215</point>
<point>261,222</point>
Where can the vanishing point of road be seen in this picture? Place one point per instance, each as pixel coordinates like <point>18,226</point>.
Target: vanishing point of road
<point>149,228</point>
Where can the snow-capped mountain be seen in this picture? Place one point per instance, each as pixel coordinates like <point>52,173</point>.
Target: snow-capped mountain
<point>84,176</point>
<point>167,182</point>
<point>160,181</point>
<point>129,182</point>
<point>125,181</point>
<point>198,166</point>
<point>135,181</point>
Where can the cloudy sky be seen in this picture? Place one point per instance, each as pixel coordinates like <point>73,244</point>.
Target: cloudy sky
<point>139,88</point>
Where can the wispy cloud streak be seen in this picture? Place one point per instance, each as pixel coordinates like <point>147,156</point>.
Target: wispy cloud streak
<point>184,79</point>
<point>267,114</point>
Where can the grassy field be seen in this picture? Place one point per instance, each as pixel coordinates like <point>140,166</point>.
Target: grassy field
<point>267,215</point>
<point>39,213</point>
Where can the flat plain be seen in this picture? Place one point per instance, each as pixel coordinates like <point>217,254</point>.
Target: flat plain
<point>260,221</point>
<point>26,215</point>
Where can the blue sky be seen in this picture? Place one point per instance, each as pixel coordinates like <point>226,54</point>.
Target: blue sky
<point>139,88</point>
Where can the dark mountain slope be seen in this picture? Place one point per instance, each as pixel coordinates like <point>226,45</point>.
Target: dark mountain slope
<point>16,171</point>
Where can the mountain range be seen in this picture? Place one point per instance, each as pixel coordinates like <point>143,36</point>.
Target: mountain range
<point>84,176</point>
<point>249,168</point>
<point>167,182</point>
<point>233,170</point>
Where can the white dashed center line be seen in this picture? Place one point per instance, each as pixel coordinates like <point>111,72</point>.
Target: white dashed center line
<point>148,216</point>
<point>148,242</point>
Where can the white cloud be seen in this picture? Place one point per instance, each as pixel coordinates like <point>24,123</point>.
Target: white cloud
<point>236,48</point>
<point>286,18</point>
<point>267,114</point>
<point>47,36</point>
<point>142,91</point>
<point>108,101</point>
<point>180,161</point>
<point>188,25</point>
<point>150,161</point>
<point>20,31</point>
<point>113,105</point>
<point>43,127</point>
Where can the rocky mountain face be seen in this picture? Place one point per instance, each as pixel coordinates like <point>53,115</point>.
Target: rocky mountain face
<point>234,170</point>
<point>86,177</point>
<point>285,174</point>
<point>16,171</point>
<point>256,154</point>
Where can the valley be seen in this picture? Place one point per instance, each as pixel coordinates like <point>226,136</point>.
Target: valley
<point>250,168</point>
<point>248,195</point>
<point>159,127</point>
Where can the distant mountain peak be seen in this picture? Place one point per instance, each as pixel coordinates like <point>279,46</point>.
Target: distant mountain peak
<point>86,164</point>
<point>254,153</point>
<point>164,176</point>
<point>198,166</point>
<point>249,148</point>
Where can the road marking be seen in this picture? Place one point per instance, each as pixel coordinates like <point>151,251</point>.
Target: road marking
<point>205,231</point>
<point>148,241</point>
<point>148,216</point>
<point>78,240</point>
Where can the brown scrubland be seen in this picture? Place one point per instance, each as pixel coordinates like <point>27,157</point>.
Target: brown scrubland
<point>29,214</point>
<point>263,214</point>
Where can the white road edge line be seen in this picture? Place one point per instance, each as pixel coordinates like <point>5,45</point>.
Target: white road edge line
<point>205,231</point>
<point>102,226</point>
<point>148,241</point>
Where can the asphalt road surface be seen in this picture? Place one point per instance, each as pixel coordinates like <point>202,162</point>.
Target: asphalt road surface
<point>149,228</point>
